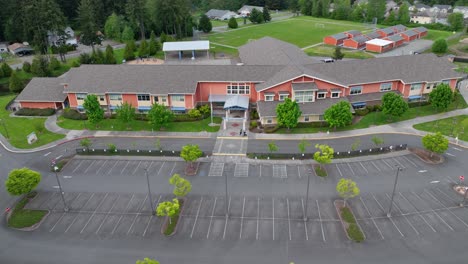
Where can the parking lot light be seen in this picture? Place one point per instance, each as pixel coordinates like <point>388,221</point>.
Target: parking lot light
<point>65,207</point>
<point>153,210</point>
<point>389,213</point>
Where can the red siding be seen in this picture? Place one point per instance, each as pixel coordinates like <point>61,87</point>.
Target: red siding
<point>383,34</point>
<point>332,41</point>
<point>352,35</point>
<point>39,105</point>
<point>282,87</point>
<point>408,39</point>
<point>349,43</point>
<point>72,100</point>
<point>303,79</point>
<point>205,88</point>
<point>131,99</point>
<point>189,101</point>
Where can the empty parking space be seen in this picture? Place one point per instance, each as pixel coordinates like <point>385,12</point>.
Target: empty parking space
<point>216,169</point>
<point>241,170</point>
<point>280,171</point>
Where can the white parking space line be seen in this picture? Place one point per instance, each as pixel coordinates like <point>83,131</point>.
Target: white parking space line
<point>92,163</point>
<point>364,167</point>
<point>47,200</point>
<point>424,219</point>
<point>216,169</point>
<point>352,171</point>
<point>149,166</point>
<point>457,149</point>
<point>415,194</point>
<point>375,166</point>
<point>299,172</point>
<point>258,216</point>
<point>225,224</point>
<point>211,218</point>
<point>94,212</point>
<point>242,218</point>
<point>110,170</point>
<point>60,219</point>
<point>121,172</point>
<point>173,168</point>
<point>453,200</point>
<point>321,223</point>
<point>401,165</point>
<point>136,168</point>
<point>137,214</point>
<point>74,219</point>
<point>410,161</point>
<point>387,164</point>
<point>289,220</point>
<point>273,199</point>
<point>47,154</point>
<point>260,174</point>
<point>58,157</point>
<point>102,166</point>
<point>196,217</point>
<point>280,171</point>
<point>241,170</point>
<point>450,154</point>
<point>151,217</point>
<point>305,222</point>
<point>338,168</point>
<point>459,219</point>
<point>121,216</point>
<point>383,210</point>
<point>76,168</point>
<point>107,214</point>
<point>404,216</point>
<point>373,220</point>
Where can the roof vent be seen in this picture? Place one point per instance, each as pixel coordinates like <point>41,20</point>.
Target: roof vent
<point>240,64</point>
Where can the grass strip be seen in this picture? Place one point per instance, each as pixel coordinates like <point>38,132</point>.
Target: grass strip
<point>21,218</point>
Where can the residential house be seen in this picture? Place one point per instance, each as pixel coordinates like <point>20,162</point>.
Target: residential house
<point>20,49</point>
<point>247,9</point>
<point>435,9</point>
<point>238,88</point>
<point>358,42</point>
<point>442,18</point>
<point>419,8</point>
<point>379,45</point>
<point>53,38</point>
<point>461,9</point>
<point>220,14</point>
<point>3,48</point>
<point>335,40</point>
<point>422,18</point>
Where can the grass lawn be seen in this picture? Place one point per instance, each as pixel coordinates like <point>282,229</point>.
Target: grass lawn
<point>451,126</point>
<point>327,51</point>
<point>462,67</point>
<point>435,34</point>
<point>378,118</point>
<point>138,125</point>
<point>19,127</point>
<point>21,218</point>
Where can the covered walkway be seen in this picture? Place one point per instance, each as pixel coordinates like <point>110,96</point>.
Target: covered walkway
<point>233,105</point>
<point>181,46</point>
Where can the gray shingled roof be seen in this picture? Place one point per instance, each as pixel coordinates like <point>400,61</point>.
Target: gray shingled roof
<point>287,73</point>
<point>268,108</point>
<point>409,33</point>
<point>360,39</point>
<point>369,97</point>
<point>339,36</point>
<point>160,79</point>
<point>395,38</point>
<point>271,51</point>
<point>420,29</point>
<point>216,13</point>
<point>399,27</point>
<point>250,8</point>
<point>353,32</point>
<point>309,86</point>
<point>43,90</point>
<point>373,35</point>
<point>387,30</point>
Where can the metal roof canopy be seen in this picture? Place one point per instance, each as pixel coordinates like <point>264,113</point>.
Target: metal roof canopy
<point>186,45</point>
<point>233,102</point>
<point>379,42</point>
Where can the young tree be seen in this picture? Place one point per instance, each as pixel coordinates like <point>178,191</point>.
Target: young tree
<point>394,105</point>
<point>125,113</point>
<point>129,53</point>
<point>377,140</point>
<point>143,52</point>
<point>456,21</point>
<point>302,146</point>
<point>391,19</point>
<point>403,14</point>
<point>22,181</point>
<point>233,23</point>
<point>15,84</point>
<point>347,189</point>
<point>337,54</point>
<point>127,34</point>
<point>154,45</point>
<point>170,209</point>
<point>256,16</point>
<point>205,24</point>
<point>109,57</point>
<point>324,155</point>
<point>147,261</point>
<point>6,69</point>
<point>272,147</point>
<point>93,109</point>
<point>181,186</point>
<point>440,46</point>
<point>338,115</point>
<point>113,27</point>
<point>40,66</point>
<point>435,143</point>
<point>266,14</point>
<point>356,144</point>
<point>441,97</point>
<point>86,143</point>
<point>157,144</point>
<point>159,116</point>
<point>190,153</point>
<point>288,113</point>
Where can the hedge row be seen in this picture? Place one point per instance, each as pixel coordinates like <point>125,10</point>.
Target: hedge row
<point>35,112</point>
<point>73,114</point>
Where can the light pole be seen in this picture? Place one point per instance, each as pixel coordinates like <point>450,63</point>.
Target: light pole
<point>4,126</point>
<point>149,192</point>
<point>389,214</point>
<point>226,208</point>
<point>60,187</point>
<point>462,204</point>
<point>307,196</point>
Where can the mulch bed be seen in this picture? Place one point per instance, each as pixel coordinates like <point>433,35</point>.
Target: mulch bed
<point>425,156</point>
<point>191,170</point>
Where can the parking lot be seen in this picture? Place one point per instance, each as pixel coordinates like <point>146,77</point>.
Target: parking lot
<point>423,213</point>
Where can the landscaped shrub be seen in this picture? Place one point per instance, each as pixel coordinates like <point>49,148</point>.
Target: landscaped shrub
<point>194,113</point>
<point>253,114</point>
<point>184,118</point>
<point>355,233</point>
<point>418,104</point>
<point>253,124</point>
<point>27,67</point>
<point>75,64</point>
<point>362,112</point>
<point>270,129</point>
<point>205,110</point>
<point>73,114</point>
<point>347,215</point>
<point>312,124</point>
<point>35,112</point>
<point>320,171</point>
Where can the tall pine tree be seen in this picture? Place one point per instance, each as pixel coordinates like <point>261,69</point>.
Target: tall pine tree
<point>88,22</point>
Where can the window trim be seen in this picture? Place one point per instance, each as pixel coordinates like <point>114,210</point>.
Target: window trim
<point>81,95</point>
<point>414,84</point>
<point>146,97</point>
<point>337,93</point>
<point>230,88</point>
<point>269,97</point>
<point>306,118</point>
<point>355,87</point>
<point>178,98</point>
<point>321,95</point>
<point>119,97</point>
<point>386,89</point>
<point>283,97</point>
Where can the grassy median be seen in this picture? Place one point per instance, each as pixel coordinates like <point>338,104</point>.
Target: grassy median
<point>21,218</point>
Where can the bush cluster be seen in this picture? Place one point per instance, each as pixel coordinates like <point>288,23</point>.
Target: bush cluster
<point>253,124</point>
<point>355,233</point>
<point>270,129</point>
<point>368,109</point>
<point>73,114</point>
<point>253,114</point>
<point>35,112</point>
<point>185,118</point>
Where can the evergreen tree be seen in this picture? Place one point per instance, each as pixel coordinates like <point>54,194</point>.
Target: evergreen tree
<point>136,12</point>
<point>456,21</point>
<point>109,56</point>
<point>154,45</point>
<point>129,54</point>
<point>15,84</point>
<point>403,14</point>
<point>144,51</point>
<point>113,27</point>
<point>266,14</point>
<point>127,34</point>
<point>6,69</point>
<point>342,9</point>
<point>391,19</point>
<point>376,9</point>
<point>204,24</point>
<point>87,17</point>
<point>40,66</point>
<point>337,54</point>
<point>232,23</point>
<point>306,7</point>
<point>358,12</point>
<point>256,16</point>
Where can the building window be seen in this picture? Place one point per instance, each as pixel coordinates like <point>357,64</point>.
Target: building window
<point>102,98</point>
<point>269,121</point>
<point>238,89</point>
<point>163,99</point>
<point>269,97</point>
<point>156,99</point>
<point>304,96</point>
<point>115,97</point>
<point>335,95</point>
<point>447,82</point>
<point>416,86</point>
<point>384,87</point>
<point>355,90</point>
<point>321,95</point>
<point>80,96</point>
<point>143,97</point>
<point>306,119</point>
<point>178,98</point>
<point>282,97</point>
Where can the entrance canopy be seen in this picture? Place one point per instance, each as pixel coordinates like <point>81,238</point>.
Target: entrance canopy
<point>231,102</point>
<point>186,45</point>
